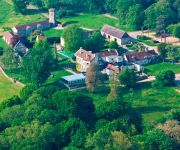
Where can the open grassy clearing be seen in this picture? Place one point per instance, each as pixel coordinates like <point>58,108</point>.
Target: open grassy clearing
<point>7,88</point>
<point>2,43</point>
<point>154,69</point>
<point>94,21</point>
<point>151,103</point>
<point>52,33</point>
<point>8,18</point>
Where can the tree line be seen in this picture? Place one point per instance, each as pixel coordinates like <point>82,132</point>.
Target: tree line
<point>154,14</point>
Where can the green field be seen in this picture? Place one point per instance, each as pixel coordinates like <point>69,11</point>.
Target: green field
<point>93,21</point>
<point>53,33</point>
<point>56,75</point>
<point>8,18</point>
<point>151,103</point>
<point>7,88</point>
<point>2,43</point>
<point>154,69</point>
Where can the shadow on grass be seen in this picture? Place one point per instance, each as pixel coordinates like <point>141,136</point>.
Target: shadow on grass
<point>69,23</point>
<point>150,109</point>
<point>33,11</point>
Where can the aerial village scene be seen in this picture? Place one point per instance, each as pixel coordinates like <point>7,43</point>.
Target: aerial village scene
<point>90,74</point>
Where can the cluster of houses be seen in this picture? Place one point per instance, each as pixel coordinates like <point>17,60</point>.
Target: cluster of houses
<point>110,61</point>
<point>15,37</point>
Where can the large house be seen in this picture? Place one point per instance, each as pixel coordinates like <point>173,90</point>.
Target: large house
<point>141,58</point>
<point>83,59</point>
<point>27,29</point>
<point>114,34</point>
<point>10,38</point>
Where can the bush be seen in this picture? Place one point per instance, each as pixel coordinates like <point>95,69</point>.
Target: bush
<point>143,38</point>
<point>165,78</point>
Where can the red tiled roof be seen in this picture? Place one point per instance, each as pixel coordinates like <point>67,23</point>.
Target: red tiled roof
<point>108,53</point>
<point>33,25</point>
<point>85,55</point>
<point>140,56</point>
<point>113,68</point>
<point>113,31</point>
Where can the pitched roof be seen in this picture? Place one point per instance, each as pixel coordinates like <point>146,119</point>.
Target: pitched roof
<point>108,53</point>
<point>8,35</point>
<point>32,25</point>
<point>140,56</point>
<point>85,55</point>
<point>74,77</point>
<point>113,31</point>
<point>113,68</point>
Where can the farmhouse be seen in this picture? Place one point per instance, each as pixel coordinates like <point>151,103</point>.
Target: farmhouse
<point>27,29</point>
<point>114,34</point>
<point>10,38</point>
<point>83,59</point>
<point>141,58</point>
<point>77,80</point>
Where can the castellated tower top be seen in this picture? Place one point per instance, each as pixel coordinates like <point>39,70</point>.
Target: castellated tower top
<point>52,19</point>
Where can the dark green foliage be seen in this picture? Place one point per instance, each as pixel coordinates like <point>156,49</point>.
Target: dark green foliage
<point>15,100</point>
<point>1,51</point>
<point>94,43</point>
<point>20,5</point>
<point>27,91</point>
<point>32,37</point>
<point>73,37</point>
<point>176,31</point>
<point>112,109</point>
<point>113,45</point>
<point>37,63</point>
<point>72,131</point>
<point>128,78</point>
<point>78,105</point>
<point>162,48</point>
<point>157,140</point>
<point>165,78</point>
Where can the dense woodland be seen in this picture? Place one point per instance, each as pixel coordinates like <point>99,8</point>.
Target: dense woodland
<point>141,14</point>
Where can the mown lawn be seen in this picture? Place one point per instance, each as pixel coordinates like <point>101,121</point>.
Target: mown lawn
<point>93,21</point>
<point>2,43</point>
<point>8,18</point>
<point>153,103</point>
<point>154,69</point>
<point>56,75</point>
<point>53,33</point>
<point>7,88</point>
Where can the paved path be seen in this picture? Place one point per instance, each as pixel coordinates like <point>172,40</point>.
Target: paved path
<point>152,78</point>
<point>11,79</point>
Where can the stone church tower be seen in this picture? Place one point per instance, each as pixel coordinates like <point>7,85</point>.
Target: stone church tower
<point>52,18</point>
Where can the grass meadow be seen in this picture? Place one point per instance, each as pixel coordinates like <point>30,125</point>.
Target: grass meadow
<point>154,69</point>
<point>7,88</point>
